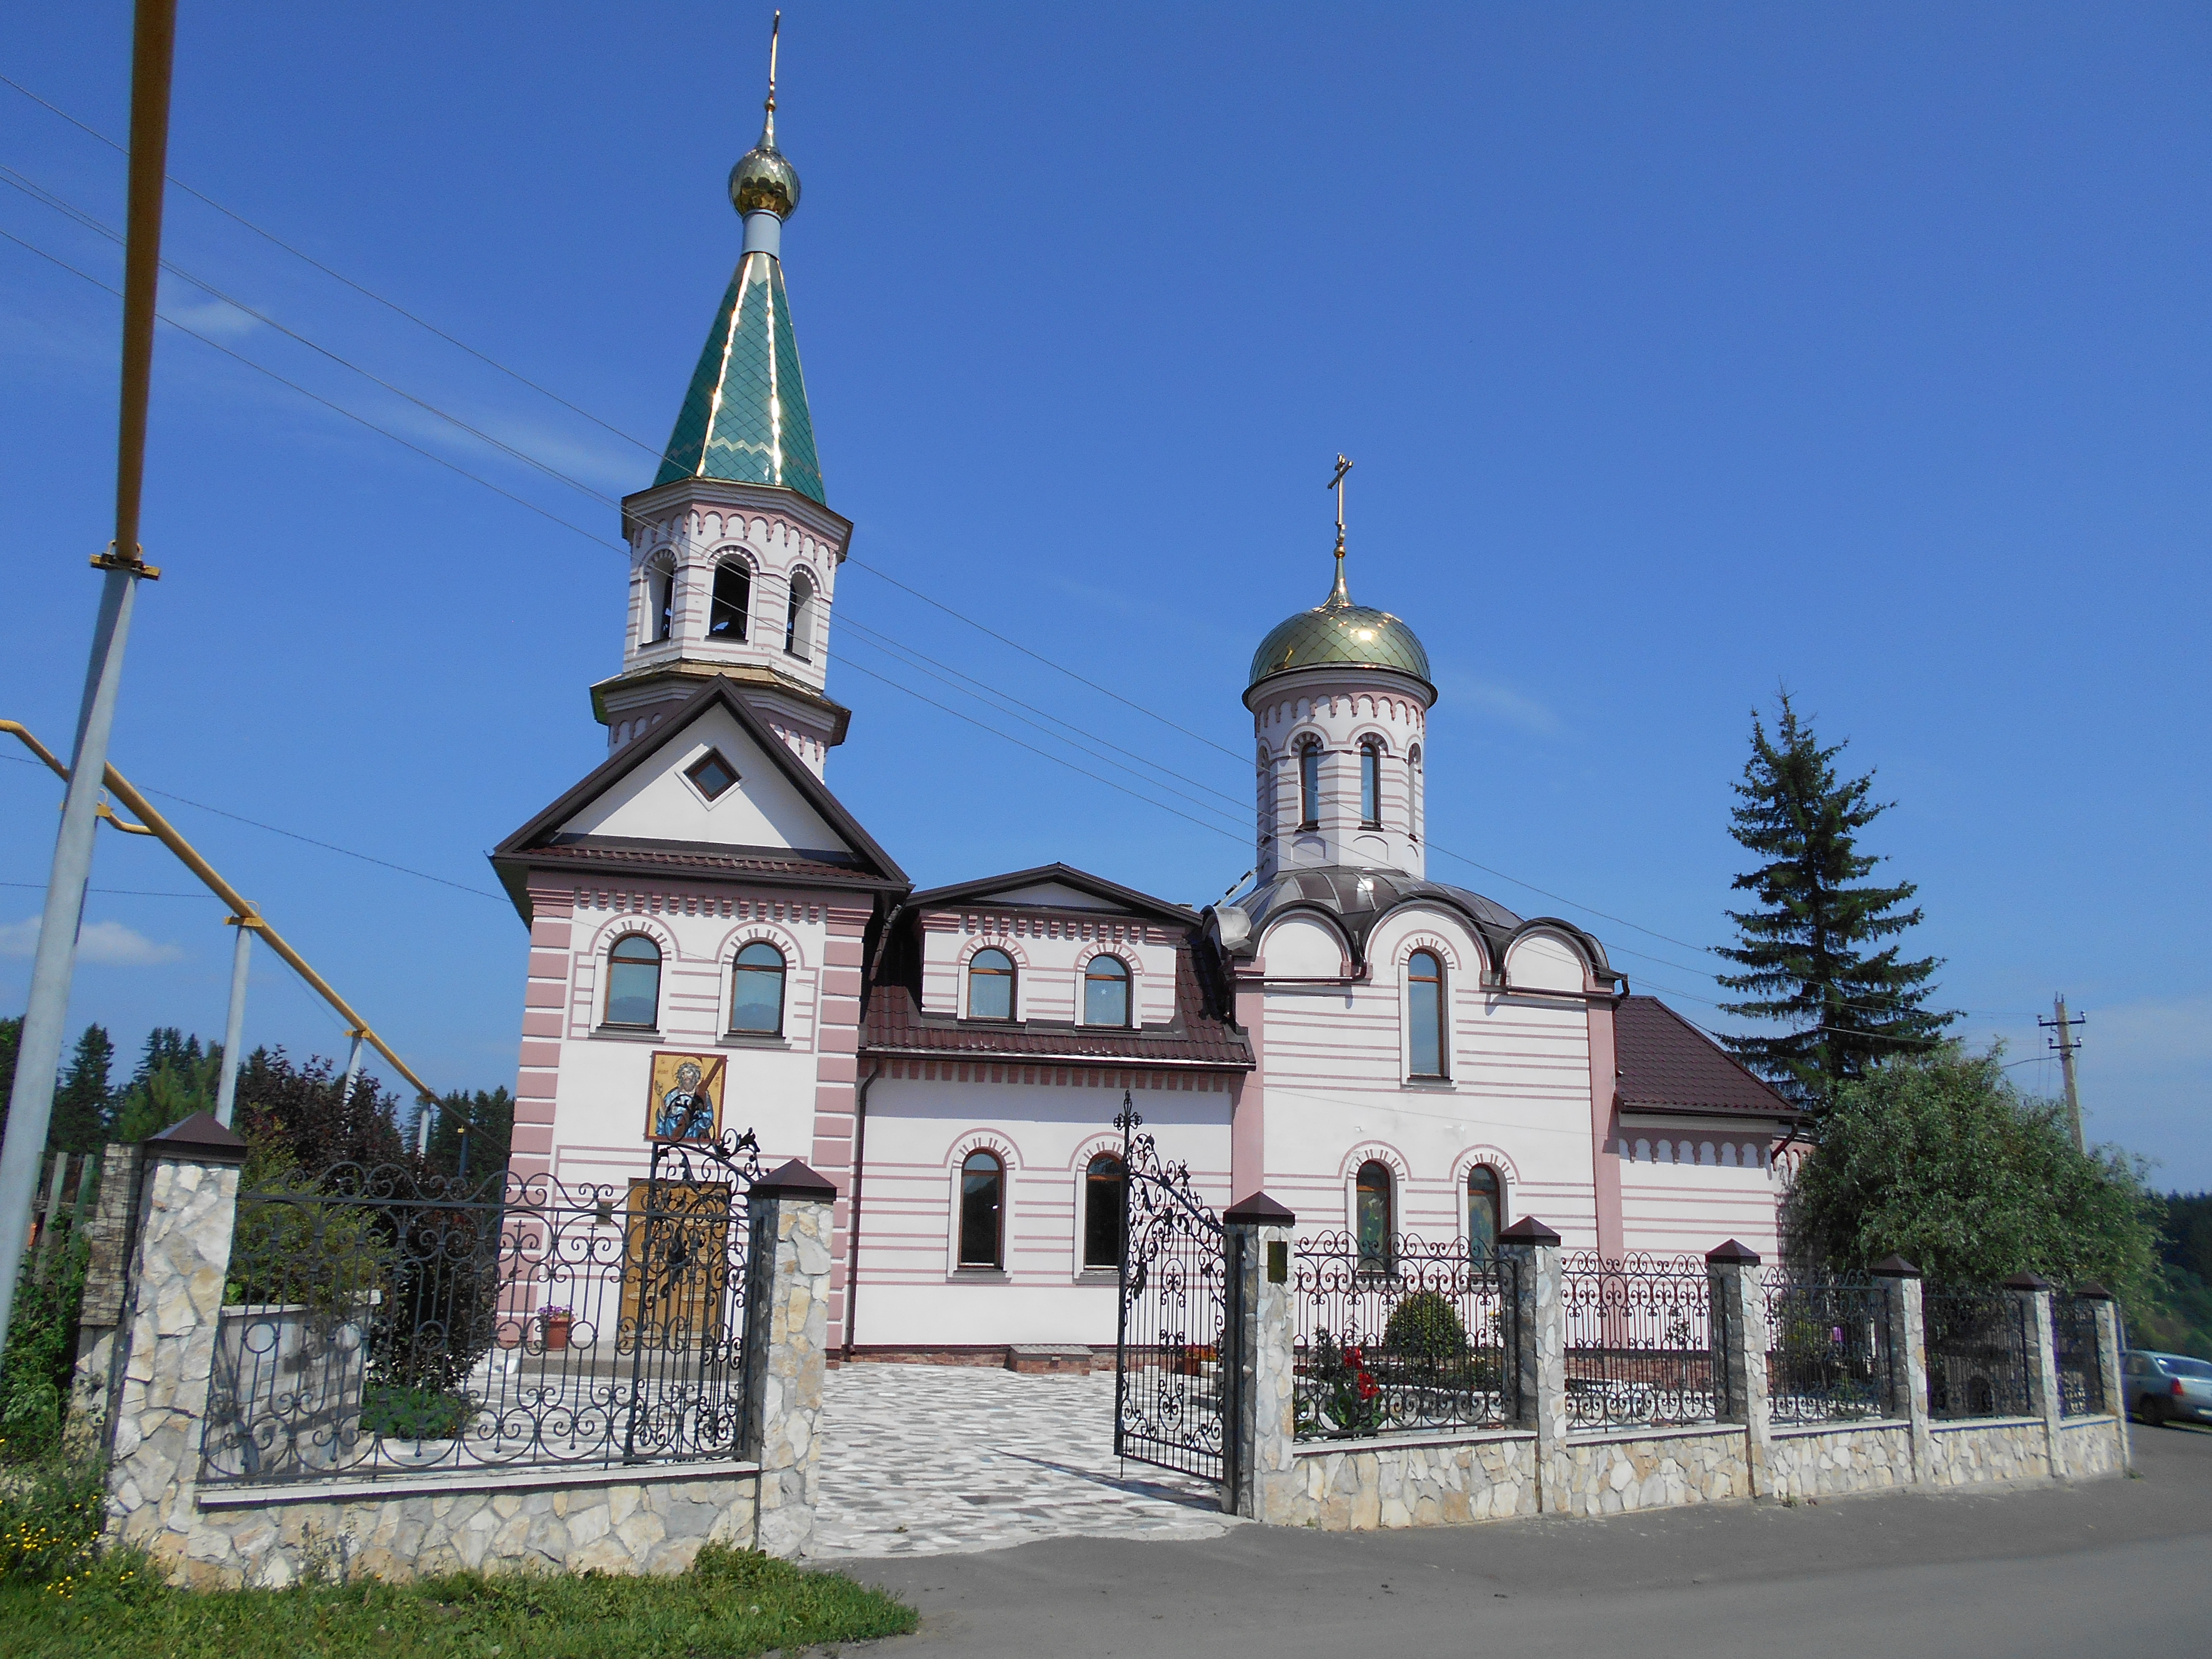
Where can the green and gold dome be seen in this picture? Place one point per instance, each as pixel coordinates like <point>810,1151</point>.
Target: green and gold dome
<point>1338,633</point>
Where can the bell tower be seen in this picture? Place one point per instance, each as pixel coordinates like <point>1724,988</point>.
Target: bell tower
<point>734,551</point>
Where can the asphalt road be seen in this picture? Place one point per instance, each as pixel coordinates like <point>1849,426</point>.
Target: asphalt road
<point>2074,1570</point>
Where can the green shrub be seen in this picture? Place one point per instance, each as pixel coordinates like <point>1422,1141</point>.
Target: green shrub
<point>36,1370</point>
<point>1426,1326</point>
<point>414,1413</point>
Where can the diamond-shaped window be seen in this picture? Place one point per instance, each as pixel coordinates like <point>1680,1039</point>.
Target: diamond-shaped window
<point>711,774</point>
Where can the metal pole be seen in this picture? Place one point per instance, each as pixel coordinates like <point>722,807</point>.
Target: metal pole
<point>38,1061</point>
<point>353,1071</point>
<point>2066,1070</point>
<point>234,1029</point>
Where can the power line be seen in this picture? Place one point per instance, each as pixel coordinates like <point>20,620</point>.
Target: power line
<point>274,830</point>
<point>339,276</point>
<point>49,199</point>
<point>125,892</point>
<point>317,398</point>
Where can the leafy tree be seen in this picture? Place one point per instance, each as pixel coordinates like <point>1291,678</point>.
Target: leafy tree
<point>84,1101</point>
<point>1807,952</point>
<point>305,1111</point>
<point>1938,1159</point>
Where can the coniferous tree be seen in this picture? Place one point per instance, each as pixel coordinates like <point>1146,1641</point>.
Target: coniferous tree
<point>11,1037</point>
<point>83,1103</point>
<point>1809,952</point>
<point>176,1078</point>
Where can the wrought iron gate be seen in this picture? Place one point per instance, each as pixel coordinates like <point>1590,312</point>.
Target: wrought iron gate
<point>1176,1367</point>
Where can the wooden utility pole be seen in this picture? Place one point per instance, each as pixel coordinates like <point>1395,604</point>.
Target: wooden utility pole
<point>2063,1042</point>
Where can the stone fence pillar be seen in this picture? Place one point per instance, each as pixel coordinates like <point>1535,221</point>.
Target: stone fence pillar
<point>1531,1250</point>
<point>788,1218</point>
<point>1908,1357</point>
<point>1263,1438</point>
<point>2114,1385</point>
<point>188,1209</point>
<point>111,1234</point>
<point>1739,1337</point>
<point>2032,1293</point>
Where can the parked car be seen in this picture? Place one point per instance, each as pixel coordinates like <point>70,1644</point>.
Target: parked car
<point>2167,1388</point>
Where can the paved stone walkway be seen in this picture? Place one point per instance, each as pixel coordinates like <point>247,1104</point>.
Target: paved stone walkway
<point>936,1459</point>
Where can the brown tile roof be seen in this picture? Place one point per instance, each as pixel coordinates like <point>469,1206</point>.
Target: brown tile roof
<point>607,855</point>
<point>896,1025</point>
<point>1667,1065</point>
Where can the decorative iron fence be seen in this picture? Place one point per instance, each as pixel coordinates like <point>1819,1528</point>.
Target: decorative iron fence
<point>1978,1350</point>
<point>386,1319</point>
<point>1175,1361</point>
<point>2074,1337</point>
<point>1828,1356</point>
<point>1426,1343</point>
<point>1642,1346</point>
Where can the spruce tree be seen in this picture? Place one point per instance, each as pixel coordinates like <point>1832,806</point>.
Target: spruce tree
<point>84,1103</point>
<point>1809,951</point>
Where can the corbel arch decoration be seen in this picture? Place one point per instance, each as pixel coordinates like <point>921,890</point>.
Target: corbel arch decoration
<point>729,611</point>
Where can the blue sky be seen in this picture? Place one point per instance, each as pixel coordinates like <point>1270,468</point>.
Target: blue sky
<point>1684,352</point>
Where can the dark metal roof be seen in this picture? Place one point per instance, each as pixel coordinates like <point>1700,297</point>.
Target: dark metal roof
<point>624,855</point>
<point>1667,1065</point>
<point>1356,901</point>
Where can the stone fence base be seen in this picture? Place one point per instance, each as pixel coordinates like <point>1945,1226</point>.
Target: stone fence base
<point>397,1528</point>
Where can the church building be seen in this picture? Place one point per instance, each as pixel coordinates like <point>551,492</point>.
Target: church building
<point>717,944</point>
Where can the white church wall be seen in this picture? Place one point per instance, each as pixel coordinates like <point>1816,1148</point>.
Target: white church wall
<point>603,1076</point>
<point>1687,1185</point>
<point>1340,716</point>
<point>912,1294</point>
<point>1049,952</point>
<point>658,802</point>
<point>1337,1091</point>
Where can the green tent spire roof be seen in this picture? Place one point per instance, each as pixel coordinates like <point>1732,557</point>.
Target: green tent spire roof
<point>745,417</point>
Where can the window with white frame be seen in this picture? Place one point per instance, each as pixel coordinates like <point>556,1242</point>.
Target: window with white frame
<point>982,1211</point>
<point>1373,1208</point>
<point>1105,991</point>
<point>990,984</point>
<point>1425,1015</point>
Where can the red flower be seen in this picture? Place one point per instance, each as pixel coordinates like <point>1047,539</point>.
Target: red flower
<point>1352,1357</point>
<point>1368,1389</point>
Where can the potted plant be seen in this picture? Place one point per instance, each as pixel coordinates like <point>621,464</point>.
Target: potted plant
<point>553,1324</point>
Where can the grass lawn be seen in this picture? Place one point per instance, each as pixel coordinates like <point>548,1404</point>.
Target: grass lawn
<point>731,1603</point>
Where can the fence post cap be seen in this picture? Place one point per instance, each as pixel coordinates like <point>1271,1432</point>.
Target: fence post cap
<point>1260,1209</point>
<point>2091,1290</point>
<point>794,1180</point>
<point>1734,1253</point>
<point>1528,1231</point>
<point>1894,1266</point>
<point>2027,1281</point>
<point>198,1140</point>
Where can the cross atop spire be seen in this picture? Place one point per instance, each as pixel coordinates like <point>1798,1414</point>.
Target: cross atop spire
<point>1340,595</point>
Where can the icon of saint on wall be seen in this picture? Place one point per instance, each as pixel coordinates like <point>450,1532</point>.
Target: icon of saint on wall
<point>685,1099</point>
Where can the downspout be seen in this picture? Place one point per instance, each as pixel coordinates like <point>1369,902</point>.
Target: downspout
<point>852,1220</point>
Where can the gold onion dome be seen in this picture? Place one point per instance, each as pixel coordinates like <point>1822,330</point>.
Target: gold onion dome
<point>1337,632</point>
<point>764,179</point>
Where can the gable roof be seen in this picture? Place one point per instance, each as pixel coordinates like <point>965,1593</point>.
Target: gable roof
<point>1063,875</point>
<point>1665,1063</point>
<point>540,842</point>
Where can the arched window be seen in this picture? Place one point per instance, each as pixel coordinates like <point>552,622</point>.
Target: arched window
<point>1264,785</point>
<point>982,1211</point>
<point>1106,990</point>
<point>660,602</point>
<point>757,990</point>
<point>733,601</point>
<point>634,981</point>
<point>1104,1218</point>
<point>990,984</point>
<point>1309,784</point>
<point>1371,1218</point>
<point>1424,1014</point>
<point>1486,1209</point>
<point>799,621</point>
<point>1413,792</point>
<point>1371,784</point>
